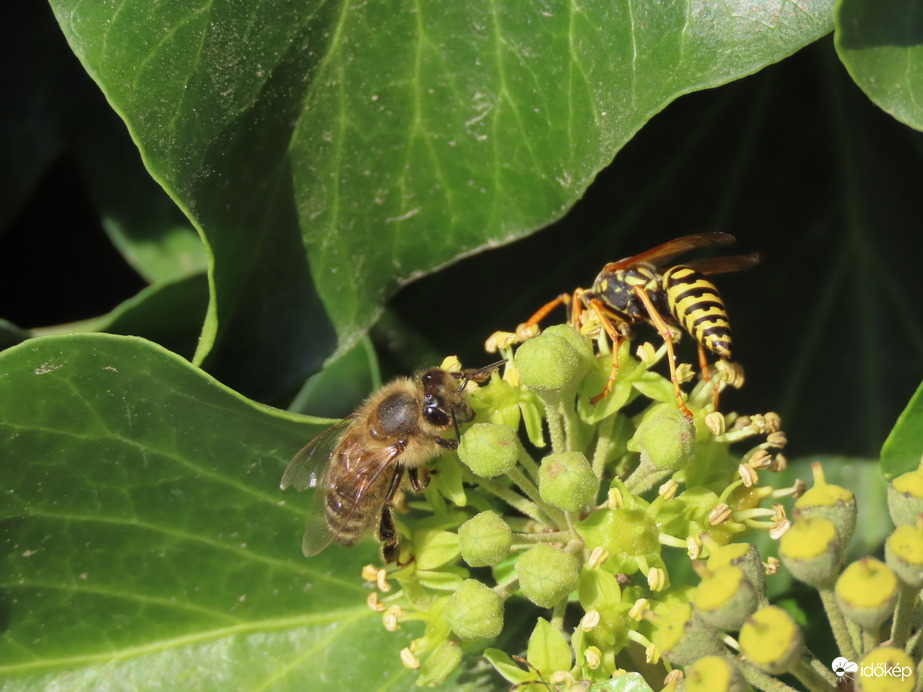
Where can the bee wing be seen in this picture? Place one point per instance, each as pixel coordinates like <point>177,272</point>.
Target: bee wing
<point>723,265</point>
<point>364,472</point>
<point>664,252</point>
<point>310,468</point>
<point>306,468</point>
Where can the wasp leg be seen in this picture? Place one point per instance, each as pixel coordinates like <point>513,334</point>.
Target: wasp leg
<point>667,337</point>
<point>703,364</point>
<point>706,375</point>
<point>602,316</point>
<point>613,372</point>
<point>529,328</point>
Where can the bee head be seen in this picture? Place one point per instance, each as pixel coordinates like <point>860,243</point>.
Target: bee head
<point>438,397</point>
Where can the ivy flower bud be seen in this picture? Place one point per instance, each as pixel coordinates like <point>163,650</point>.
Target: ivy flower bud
<point>546,574</point>
<point>866,592</point>
<point>440,664</point>
<point>715,674</point>
<point>829,501</point>
<point>485,539</point>
<point>681,638</point>
<point>886,669</point>
<point>743,555</point>
<point>904,554</point>
<point>771,640</point>
<point>554,360</point>
<point>905,498</point>
<point>474,611</point>
<point>666,440</point>
<point>812,551</point>
<point>567,481</point>
<point>489,449</point>
<point>725,598</point>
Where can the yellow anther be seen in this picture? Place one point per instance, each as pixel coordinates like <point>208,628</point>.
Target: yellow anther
<point>373,602</point>
<point>747,475</point>
<point>409,660</point>
<point>598,557</point>
<point>715,422</point>
<point>720,514</point>
<point>668,490</point>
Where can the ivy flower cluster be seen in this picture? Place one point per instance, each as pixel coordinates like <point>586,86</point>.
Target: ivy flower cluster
<point>598,517</point>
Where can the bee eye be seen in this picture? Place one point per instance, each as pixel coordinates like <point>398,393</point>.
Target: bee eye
<point>434,413</point>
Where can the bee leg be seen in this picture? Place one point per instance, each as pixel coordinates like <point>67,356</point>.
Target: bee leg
<point>450,445</point>
<point>419,479</point>
<point>667,337</point>
<point>387,536</point>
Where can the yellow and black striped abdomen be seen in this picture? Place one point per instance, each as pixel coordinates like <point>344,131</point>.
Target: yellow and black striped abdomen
<point>696,305</point>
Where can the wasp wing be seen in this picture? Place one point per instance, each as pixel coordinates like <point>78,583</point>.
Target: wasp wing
<point>722,265</point>
<point>665,252</point>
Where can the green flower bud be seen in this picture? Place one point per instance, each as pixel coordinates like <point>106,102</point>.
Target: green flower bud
<point>812,552</point>
<point>715,674</point>
<point>867,592</point>
<point>743,555</point>
<point>440,664</point>
<point>725,599</point>
<point>904,554</point>
<point>886,669</point>
<point>829,501</point>
<point>546,574</point>
<point>666,440</point>
<point>905,498</point>
<point>567,481</point>
<point>771,640</point>
<point>682,639</point>
<point>485,539</point>
<point>581,344</point>
<point>550,363</point>
<point>474,611</point>
<point>489,449</point>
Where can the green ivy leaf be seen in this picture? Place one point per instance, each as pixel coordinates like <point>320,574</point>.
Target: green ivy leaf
<point>331,153</point>
<point>903,449</point>
<point>548,649</point>
<point>141,221</point>
<point>144,541</point>
<point>880,45</point>
<point>169,312</point>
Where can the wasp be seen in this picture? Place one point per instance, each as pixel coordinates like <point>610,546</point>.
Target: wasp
<point>635,289</point>
<point>358,465</point>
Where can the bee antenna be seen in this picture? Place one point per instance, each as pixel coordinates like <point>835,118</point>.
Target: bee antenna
<point>455,425</point>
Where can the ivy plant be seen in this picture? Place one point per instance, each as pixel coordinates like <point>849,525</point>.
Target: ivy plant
<point>276,173</point>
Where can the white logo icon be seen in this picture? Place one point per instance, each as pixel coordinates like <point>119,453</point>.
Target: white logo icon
<point>841,666</point>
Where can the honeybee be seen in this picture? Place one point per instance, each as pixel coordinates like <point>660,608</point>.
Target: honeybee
<point>357,465</point>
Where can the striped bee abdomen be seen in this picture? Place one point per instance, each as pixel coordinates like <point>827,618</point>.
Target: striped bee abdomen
<point>696,305</point>
<point>349,517</point>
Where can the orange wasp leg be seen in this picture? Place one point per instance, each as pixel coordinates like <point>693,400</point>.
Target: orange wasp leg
<point>525,329</point>
<point>599,309</point>
<point>668,340</point>
<point>706,376</point>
